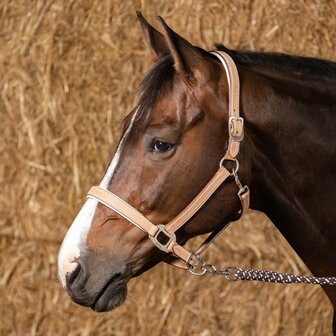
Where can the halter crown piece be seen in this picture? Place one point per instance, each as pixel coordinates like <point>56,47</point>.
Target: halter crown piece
<point>163,236</point>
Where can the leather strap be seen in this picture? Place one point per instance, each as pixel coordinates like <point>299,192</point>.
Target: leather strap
<point>221,175</point>
<point>236,123</point>
<point>135,217</point>
<point>115,203</point>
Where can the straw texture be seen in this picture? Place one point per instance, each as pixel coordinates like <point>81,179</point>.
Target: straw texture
<point>69,71</point>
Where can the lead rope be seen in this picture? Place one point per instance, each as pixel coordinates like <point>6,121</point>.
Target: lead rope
<point>198,267</point>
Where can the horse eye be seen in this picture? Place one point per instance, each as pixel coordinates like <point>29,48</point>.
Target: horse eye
<point>161,146</point>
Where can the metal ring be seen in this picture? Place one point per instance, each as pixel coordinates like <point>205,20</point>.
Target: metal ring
<point>197,268</point>
<point>191,269</point>
<point>235,170</point>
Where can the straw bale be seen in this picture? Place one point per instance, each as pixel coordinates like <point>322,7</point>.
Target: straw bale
<point>69,71</point>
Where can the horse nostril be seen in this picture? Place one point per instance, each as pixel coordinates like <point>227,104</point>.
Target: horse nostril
<point>75,286</point>
<point>77,278</point>
<point>71,277</point>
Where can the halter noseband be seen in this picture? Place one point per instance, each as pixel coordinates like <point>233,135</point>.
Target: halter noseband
<point>156,233</point>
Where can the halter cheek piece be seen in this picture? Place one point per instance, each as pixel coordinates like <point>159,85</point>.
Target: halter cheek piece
<point>163,236</point>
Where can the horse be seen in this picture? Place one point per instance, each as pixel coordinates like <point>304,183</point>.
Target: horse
<point>172,143</point>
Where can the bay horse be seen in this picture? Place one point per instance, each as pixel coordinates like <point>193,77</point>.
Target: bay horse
<point>172,143</point>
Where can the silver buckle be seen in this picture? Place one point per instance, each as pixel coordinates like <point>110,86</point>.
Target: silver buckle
<point>156,242</point>
<point>236,137</point>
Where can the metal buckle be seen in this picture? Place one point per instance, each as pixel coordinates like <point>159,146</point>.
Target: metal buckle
<point>156,242</point>
<point>236,137</point>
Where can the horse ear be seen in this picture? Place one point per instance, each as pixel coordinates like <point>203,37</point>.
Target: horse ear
<point>154,38</point>
<point>187,58</point>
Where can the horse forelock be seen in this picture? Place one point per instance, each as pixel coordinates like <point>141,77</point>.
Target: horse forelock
<point>157,83</point>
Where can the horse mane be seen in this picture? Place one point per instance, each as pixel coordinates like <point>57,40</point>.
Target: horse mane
<point>159,79</point>
<point>306,67</point>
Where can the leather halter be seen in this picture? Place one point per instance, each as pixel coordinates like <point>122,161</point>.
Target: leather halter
<point>157,232</point>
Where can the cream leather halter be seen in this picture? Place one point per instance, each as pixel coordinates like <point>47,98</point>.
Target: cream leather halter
<point>163,236</point>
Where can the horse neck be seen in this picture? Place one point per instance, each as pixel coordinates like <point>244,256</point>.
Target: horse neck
<point>291,143</point>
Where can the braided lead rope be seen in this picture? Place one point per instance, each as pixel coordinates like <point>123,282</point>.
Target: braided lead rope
<point>268,276</point>
<point>197,266</point>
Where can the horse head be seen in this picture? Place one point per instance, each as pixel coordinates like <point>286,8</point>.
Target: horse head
<point>170,147</point>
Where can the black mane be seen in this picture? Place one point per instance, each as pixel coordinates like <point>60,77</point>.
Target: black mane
<point>159,79</point>
<point>307,67</point>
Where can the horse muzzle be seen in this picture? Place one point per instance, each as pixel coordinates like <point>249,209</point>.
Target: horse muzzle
<point>101,296</point>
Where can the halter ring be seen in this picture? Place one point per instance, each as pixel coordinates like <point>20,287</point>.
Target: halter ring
<point>235,170</point>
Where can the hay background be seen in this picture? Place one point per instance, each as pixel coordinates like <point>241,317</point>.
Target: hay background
<point>68,73</point>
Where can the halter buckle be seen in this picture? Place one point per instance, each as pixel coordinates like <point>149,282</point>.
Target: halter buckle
<point>163,246</point>
<point>236,128</point>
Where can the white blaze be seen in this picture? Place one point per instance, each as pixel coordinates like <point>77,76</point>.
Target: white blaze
<point>74,240</point>
<point>111,168</point>
<point>72,243</point>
